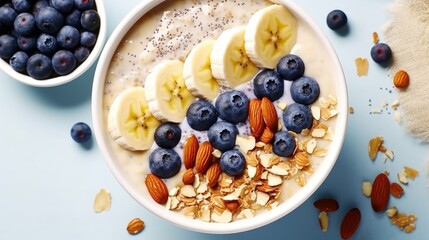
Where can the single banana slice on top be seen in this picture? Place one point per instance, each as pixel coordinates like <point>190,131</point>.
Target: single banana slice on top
<point>166,93</point>
<point>229,62</point>
<point>270,34</point>
<point>130,123</point>
<point>197,72</point>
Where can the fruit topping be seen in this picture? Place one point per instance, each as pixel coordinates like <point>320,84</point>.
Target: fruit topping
<point>8,46</point>
<point>39,66</point>
<point>304,90</point>
<point>381,53</point>
<point>168,135</point>
<point>336,19</point>
<point>222,135</point>
<point>283,144</point>
<point>63,62</point>
<point>201,115</point>
<point>80,132</point>
<point>268,83</point>
<point>232,162</point>
<point>297,117</point>
<point>232,106</point>
<point>19,61</point>
<point>164,163</point>
<point>290,67</point>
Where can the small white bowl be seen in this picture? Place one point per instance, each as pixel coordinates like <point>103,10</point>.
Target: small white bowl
<point>105,142</point>
<point>56,81</point>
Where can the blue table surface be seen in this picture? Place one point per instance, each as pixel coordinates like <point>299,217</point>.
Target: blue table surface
<point>48,182</point>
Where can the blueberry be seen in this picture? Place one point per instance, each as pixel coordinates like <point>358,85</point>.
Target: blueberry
<point>39,66</point>
<point>27,44</point>
<point>381,53</point>
<point>73,18</point>
<point>232,106</point>
<point>8,46</point>
<point>49,20</point>
<point>39,4</point>
<point>46,43</point>
<point>81,54</point>
<point>283,144</point>
<point>84,4</point>
<point>88,39</point>
<point>290,67</point>
<point>336,19</point>
<point>24,24</point>
<point>19,61</point>
<point>68,37</point>
<point>7,16</point>
<point>80,132</point>
<point>201,115</point>
<point>90,20</point>
<point>222,135</point>
<point>164,163</point>
<point>305,90</point>
<point>268,83</point>
<point>62,5</point>
<point>232,162</point>
<point>21,5</point>
<point>63,62</point>
<point>297,117</point>
<point>167,135</point>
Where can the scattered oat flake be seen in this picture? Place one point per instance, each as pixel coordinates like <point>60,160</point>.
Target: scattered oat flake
<point>410,172</point>
<point>375,38</point>
<point>398,117</point>
<point>395,104</point>
<point>376,111</point>
<point>402,178</point>
<point>102,201</point>
<point>351,110</point>
<point>361,66</point>
<point>367,188</point>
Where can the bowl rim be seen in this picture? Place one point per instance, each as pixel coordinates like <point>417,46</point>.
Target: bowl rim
<point>243,225</point>
<point>81,69</point>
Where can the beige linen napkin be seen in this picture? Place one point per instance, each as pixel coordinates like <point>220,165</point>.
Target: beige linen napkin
<point>407,33</point>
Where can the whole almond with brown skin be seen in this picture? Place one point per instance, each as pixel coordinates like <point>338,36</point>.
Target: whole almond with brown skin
<point>256,121</point>
<point>156,188</point>
<point>213,174</point>
<point>135,226</point>
<point>350,223</point>
<point>269,114</point>
<point>401,79</point>
<point>396,190</point>
<point>380,193</point>
<point>190,149</point>
<point>267,135</point>
<point>326,205</point>
<point>204,157</point>
<point>232,205</point>
<point>188,177</point>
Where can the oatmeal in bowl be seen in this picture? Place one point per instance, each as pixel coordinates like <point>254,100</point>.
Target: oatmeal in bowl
<point>219,116</point>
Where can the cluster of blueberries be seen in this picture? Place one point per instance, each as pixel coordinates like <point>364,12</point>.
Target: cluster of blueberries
<point>46,38</point>
<point>232,108</point>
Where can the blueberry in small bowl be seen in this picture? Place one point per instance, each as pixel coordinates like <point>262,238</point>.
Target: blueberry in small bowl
<point>268,83</point>
<point>201,115</point>
<point>167,135</point>
<point>232,106</point>
<point>290,67</point>
<point>222,135</point>
<point>232,162</point>
<point>19,61</point>
<point>63,62</point>
<point>164,163</point>
<point>297,117</point>
<point>305,90</point>
<point>283,144</point>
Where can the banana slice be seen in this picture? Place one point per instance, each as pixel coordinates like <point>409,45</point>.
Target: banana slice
<point>198,74</point>
<point>130,123</point>
<point>270,34</point>
<point>166,93</point>
<point>229,62</point>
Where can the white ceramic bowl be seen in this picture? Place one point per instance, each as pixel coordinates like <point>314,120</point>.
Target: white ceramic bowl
<point>104,139</point>
<point>56,81</point>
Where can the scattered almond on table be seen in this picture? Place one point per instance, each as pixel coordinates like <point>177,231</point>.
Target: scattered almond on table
<point>135,226</point>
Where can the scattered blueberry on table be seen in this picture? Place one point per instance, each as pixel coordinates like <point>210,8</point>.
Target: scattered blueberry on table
<point>381,53</point>
<point>336,19</point>
<point>81,132</point>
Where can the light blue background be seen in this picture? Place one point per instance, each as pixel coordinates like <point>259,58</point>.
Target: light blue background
<point>48,182</point>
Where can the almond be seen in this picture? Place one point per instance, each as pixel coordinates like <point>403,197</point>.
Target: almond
<point>326,204</point>
<point>213,174</point>
<point>135,226</point>
<point>232,205</point>
<point>156,188</point>
<point>350,223</point>
<point>190,149</point>
<point>401,79</point>
<point>396,190</point>
<point>256,121</point>
<point>188,177</point>
<point>204,157</point>
<point>269,114</point>
<point>267,135</point>
<point>380,192</point>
